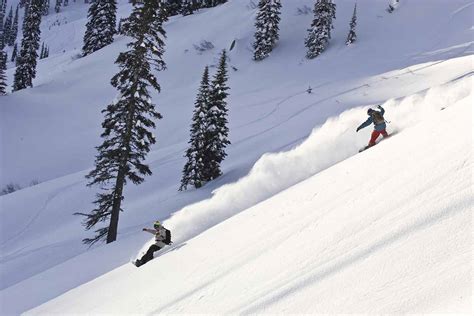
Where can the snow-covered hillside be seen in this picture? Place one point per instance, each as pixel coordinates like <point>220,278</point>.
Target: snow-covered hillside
<point>349,234</point>
<point>387,231</point>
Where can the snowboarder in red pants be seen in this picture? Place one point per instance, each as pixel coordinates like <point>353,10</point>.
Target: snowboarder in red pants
<point>375,117</point>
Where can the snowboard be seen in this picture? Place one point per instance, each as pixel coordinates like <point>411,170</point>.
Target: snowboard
<point>367,147</point>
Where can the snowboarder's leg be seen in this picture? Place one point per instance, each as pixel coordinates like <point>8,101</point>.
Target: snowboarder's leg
<point>384,134</point>
<point>375,135</point>
<point>149,254</point>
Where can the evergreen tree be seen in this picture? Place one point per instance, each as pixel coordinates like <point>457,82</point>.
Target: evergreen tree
<point>217,130</point>
<point>189,6</point>
<point>3,77</point>
<point>23,3</point>
<point>193,171</point>
<point>128,119</point>
<point>2,15</point>
<point>65,3</point>
<point>100,28</point>
<point>46,52</point>
<point>57,6</point>
<point>173,7</point>
<point>45,10</point>
<point>14,29</point>
<point>15,50</point>
<point>26,69</point>
<point>351,38</point>
<point>320,31</point>
<point>42,51</point>
<point>266,35</point>
<point>7,27</point>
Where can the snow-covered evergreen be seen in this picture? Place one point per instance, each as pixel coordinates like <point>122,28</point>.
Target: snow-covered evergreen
<point>193,171</point>
<point>3,78</point>
<point>27,59</point>
<point>14,29</point>
<point>7,27</point>
<point>14,52</point>
<point>129,120</point>
<point>352,36</point>
<point>320,31</point>
<point>217,129</point>
<point>267,25</point>
<point>100,28</point>
<point>57,6</point>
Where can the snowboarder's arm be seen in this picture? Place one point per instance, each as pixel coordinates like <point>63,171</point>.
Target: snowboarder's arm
<point>382,110</point>
<point>151,231</point>
<point>365,124</point>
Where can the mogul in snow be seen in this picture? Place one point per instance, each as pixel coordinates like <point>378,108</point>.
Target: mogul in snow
<point>375,117</point>
<point>162,238</point>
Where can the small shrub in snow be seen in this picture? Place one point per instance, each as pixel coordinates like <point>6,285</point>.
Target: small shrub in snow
<point>203,46</point>
<point>10,188</point>
<point>305,10</point>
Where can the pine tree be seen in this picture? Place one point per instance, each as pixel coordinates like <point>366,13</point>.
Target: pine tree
<point>7,27</point>
<point>2,15</point>
<point>100,28</point>
<point>57,6</point>
<point>3,78</point>
<point>14,29</point>
<point>351,38</point>
<point>41,56</point>
<point>26,69</point>
<point>320,31</point>
<point>193,171</point>
<point>217,130</point>
<point>15,50</point>
<point>173,7</point>
<point>45,10</point>
<point>188,7</point>
<point>266,35</point>
<point>46,53</point>
<point>129,119</point>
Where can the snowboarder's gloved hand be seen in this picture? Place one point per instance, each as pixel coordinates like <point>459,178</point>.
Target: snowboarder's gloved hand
<point>379,106</point>
<point>358,129</point>
<point>144,229</point>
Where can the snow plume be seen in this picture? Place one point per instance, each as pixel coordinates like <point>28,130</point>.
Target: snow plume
<point>327,145</point>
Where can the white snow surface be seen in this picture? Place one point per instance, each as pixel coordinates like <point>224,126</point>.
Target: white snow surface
<point>299,222</point>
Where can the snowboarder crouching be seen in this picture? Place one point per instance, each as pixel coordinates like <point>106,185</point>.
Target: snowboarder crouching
<point>377,118</point>
<point>162,238</point>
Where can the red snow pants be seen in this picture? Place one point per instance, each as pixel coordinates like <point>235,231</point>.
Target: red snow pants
<point>375,135</point>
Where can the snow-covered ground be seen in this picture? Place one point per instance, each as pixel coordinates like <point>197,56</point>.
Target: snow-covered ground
<point>394,240</point>
<point>387,231</point>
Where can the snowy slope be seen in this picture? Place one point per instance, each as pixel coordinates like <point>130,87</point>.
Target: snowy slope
<point>48,133</point>
<point>387,231</point>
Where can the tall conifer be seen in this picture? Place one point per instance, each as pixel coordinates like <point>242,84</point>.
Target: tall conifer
<point>320,31</point>
<point>14,29</point>
<point>129,119</point>
<point>100,28</point>
<point>194,169</point>
<point>351,37</point>
<point>27,59</point>
<point>267,25</point>
<point>217,129</point>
